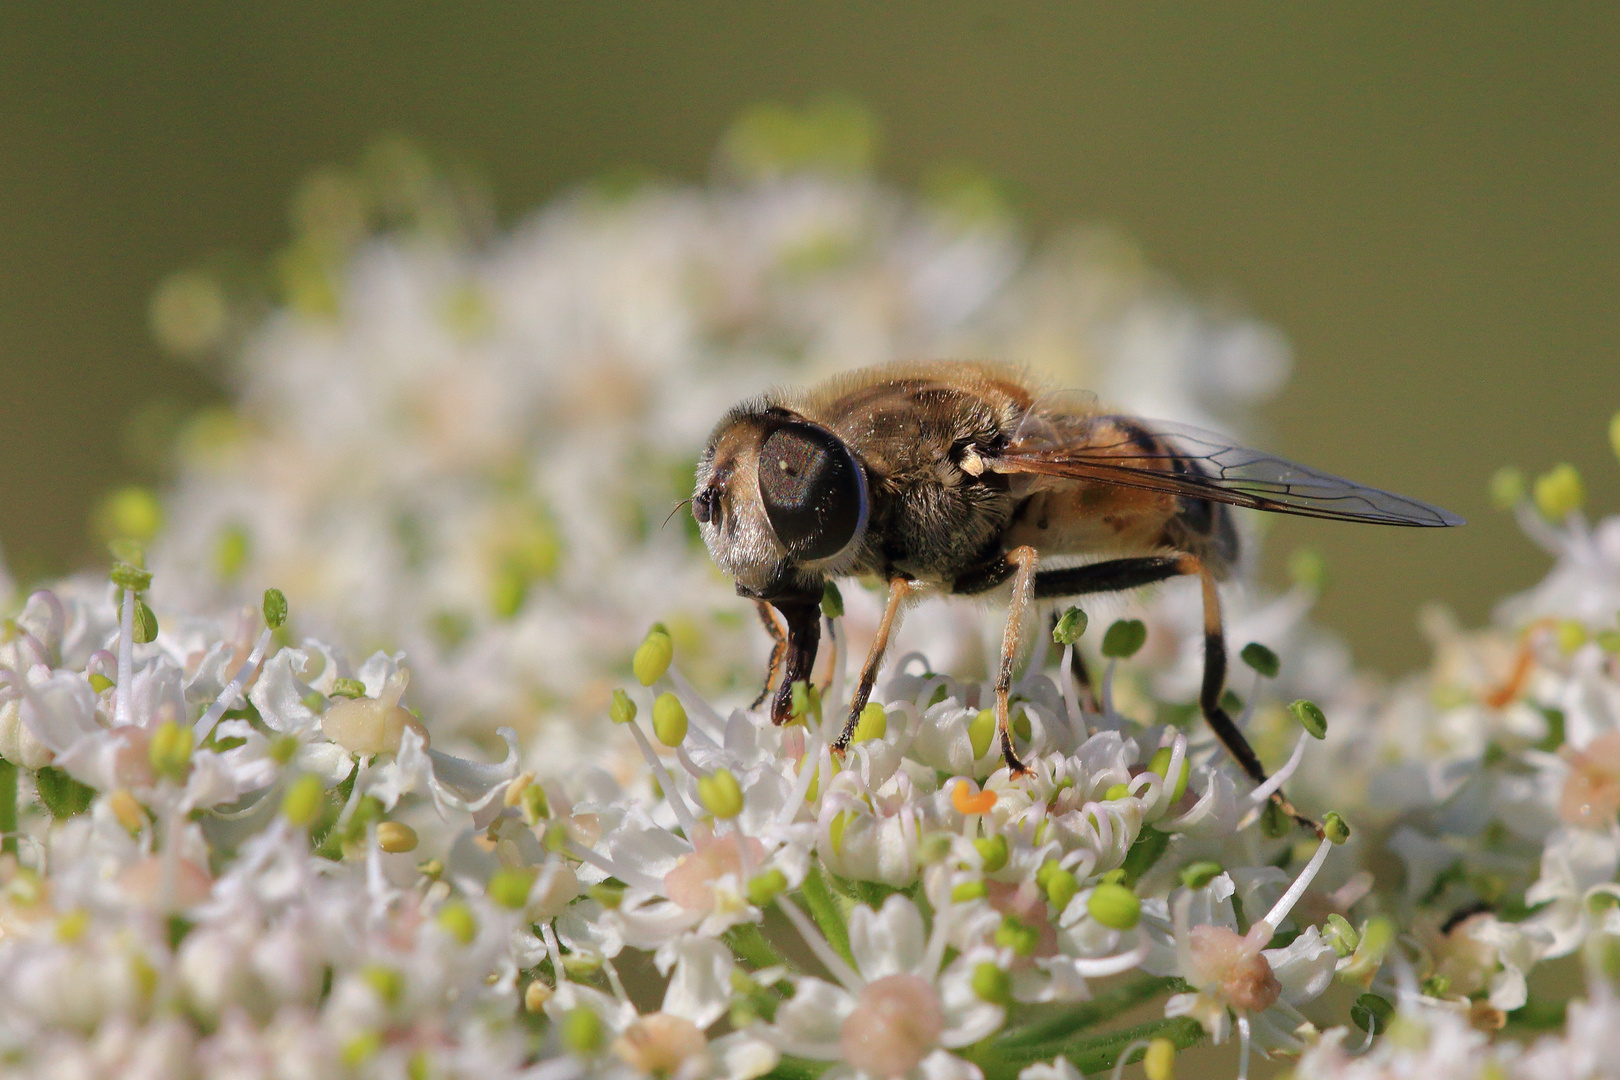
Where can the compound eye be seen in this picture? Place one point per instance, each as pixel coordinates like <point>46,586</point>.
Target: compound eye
<point>813,489</point>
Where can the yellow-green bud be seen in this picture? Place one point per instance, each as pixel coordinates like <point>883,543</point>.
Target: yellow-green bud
<point>128,576</point>
<point>170,750</point>
<point>1061,887</point>
<point>582,1031</point>
<point>302,803</point>
<point>535,996</point>
<point>1159,1062</point>
<point>1372,1013</point>
<point>388,984</point>
<point>146,624</point>
<point>1570,635</point>
<point>609,896</point>
<point>275,608</point>
<point>806,699</point>
<point>1334,827</point>
<point>1070,625</point>
<point>1310,718</point>
<point>1609,641</point>
<point>283,748</point>
<point>835,831</point>
<point>832,601</point>
<point>1116,791</point>
<point>1160,763</point>
<point>669,719</point>
<point>133,512</point>
<point>992,984</point>
<point>1307,568</point>
<point>1044,872</point>
<point>993,851</point>
<point>509,886</point>
<point>395,837</point>
<point>1341,935</point>
<point>1261,659</point>
<point>765,887</point>
<point>981,729</point>
<point>720,794</point>
<point>623,710</point>
<point>1507,487</point>
<point>1114,906</point>
<point>1558,492</point>
<point>1015,935</point>
<point>458,920</point>
<point>536,807</point>
<point>873,724</point>
<point>653,655</point>
<point>1195,875</point>
<point>348,688</point>
<point>100,682</point>
<point>968,890</point>
<point>361,1049</point>
<point>1124,638</point>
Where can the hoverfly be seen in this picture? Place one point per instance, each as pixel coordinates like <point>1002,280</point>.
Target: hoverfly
<point>957,477</point>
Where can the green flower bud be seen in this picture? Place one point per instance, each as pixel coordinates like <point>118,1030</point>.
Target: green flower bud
<point>385,982</point>
<point>1159,1062</point>
<point>609,896</point>
<point>1013,934</point>
<point>1061,887</point>
<point>1124,638</point>
<point>457,920</point>
<point>806,699</point>
<point>396,837</point>
<point>128,576</point>
<point>1160,763</point>
<point>1070,625</point>
<point>623,709</point>
<point>536,807</point>
<point>1372,1013</point>
<point>283,748</point>
<point>510,885</point>
<point>669,719</point>
<point>1436,986</point>
<point>348,688</point>
<point>1558,492</point>
<point>981,729</point>
<point>302,802</point>
<point>1570,635</point>
<point>146,624</point>
<point>873,724</point>
<point>1507,487</point>
<point>231,551</point>
<point>1195,875</point>
<point>581,1031</point>
<point>131,511</point>
<point>993,850</point>
<point>1310,718</point>
<point>765,887</point>
<point>1334,827</point>
<point>100,682</point>
<point>968,890</point>
<point>720,794</point>
<point>1274,824</point>
<point>832,601</point>
<point>170,750</point>
<point>275,608</point>
<point>1609,641</point>
<point>653,655</point>
<point>991,984</point>
<point>1114,906</point>
<point>1614,434</point>
<point>361,1049</point>
<point>1044,873</point>
<point>1261,659</point>
<point>1340,935</point>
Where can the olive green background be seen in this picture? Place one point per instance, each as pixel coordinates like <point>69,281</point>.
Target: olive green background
<point>1423,199</point>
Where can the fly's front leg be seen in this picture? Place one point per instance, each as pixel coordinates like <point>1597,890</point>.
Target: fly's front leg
<point>1024,560</point>
<point>899,589</point>
<point>778,649</point>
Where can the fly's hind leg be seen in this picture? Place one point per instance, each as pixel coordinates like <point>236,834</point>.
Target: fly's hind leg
<point>1024,560</point>
<point>778,650</point>
<point>1119,574</point>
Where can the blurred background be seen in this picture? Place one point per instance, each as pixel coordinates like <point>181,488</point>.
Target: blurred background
<point>1424,201</point>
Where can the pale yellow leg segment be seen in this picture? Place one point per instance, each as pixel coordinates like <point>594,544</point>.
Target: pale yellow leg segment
<point>1025,559</point>
<point>899,589</point>
<point>767,618</point>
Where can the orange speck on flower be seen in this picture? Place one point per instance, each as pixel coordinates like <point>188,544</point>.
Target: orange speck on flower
<point>967,801</point>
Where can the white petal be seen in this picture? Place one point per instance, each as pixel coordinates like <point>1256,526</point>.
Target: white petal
<point>888,941</point>
<point>700,989</point>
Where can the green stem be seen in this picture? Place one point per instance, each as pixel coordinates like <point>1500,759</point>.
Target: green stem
<point>751,944</point>
<point>8,807</point>
<point>1090,1053</point>
<point>1104,1006</point>
<point>792,1068</point>
<point>825,910</point>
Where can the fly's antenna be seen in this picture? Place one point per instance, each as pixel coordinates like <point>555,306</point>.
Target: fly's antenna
<point>672,513</point>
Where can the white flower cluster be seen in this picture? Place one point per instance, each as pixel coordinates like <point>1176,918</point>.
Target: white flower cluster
<point>499,846</point>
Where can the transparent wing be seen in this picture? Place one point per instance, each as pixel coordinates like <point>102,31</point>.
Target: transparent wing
<point>1062,439</point>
